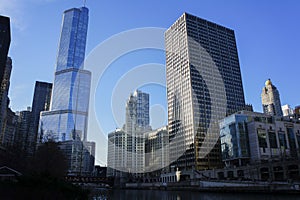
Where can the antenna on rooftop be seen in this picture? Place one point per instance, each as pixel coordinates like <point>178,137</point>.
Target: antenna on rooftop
<point>84,3</point>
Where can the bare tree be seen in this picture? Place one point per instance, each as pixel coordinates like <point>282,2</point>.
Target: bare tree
<point>49,160</point>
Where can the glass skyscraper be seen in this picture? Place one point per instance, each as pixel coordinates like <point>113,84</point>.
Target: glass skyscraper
<point>68,115</point>
<point>4,43</point>
<point>204,85</point>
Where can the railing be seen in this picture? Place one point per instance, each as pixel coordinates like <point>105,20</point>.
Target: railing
<point>83,179</point>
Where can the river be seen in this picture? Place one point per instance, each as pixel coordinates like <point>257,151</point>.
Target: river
<point>103,194</point>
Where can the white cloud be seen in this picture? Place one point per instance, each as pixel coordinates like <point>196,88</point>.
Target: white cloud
<point>16,10</point>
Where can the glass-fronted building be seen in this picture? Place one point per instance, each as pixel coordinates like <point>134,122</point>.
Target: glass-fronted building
<point>204,85</point>
<point>67,120</point>
<point>68,115</point>
<point>234,140</point>
<point>249,137</point>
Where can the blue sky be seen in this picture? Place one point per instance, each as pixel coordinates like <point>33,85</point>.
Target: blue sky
<point>267,34</point>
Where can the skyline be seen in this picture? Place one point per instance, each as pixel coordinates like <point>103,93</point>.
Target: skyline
<point>252,47</point>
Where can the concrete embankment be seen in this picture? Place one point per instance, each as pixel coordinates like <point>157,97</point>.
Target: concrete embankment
<point>224,186</point>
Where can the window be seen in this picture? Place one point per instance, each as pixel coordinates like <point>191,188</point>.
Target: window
<point>282,140</point>
<point>273,140</point>
<point>261,134</point>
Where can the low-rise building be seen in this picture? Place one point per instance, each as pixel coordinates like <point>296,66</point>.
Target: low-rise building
<point>234,140</point>
<point>262,146</point>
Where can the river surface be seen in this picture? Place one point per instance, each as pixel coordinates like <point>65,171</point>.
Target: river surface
<point>103,194</point>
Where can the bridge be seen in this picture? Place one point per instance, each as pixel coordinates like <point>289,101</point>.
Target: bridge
<point>90,179</point>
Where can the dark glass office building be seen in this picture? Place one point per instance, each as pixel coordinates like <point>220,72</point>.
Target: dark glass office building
<point>4,43</point>
<point>5,64</point>
<point>41,102</point>
<point>204,85</point>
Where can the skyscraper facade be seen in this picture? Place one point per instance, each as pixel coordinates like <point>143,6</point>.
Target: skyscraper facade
<point>204,85</point>
<point>67,120</point>
<point>4,43</point>
<point>68,115</point>
<point>4,100</point>
<point>157,150</point>
<point>117,153</point>
<point>80,156</point>
<point>21,135</point>
<point>137,110</point>
<point>4,48</point>
<point>41,102</point>
<point>10,129</point>
<point>271,100</point>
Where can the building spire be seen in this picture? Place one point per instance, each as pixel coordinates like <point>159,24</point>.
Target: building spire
<point>84,3</point>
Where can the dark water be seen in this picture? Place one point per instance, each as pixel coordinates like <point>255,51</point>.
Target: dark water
<point>102,194</point>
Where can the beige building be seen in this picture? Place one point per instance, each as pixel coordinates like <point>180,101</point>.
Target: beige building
<point>271,99</point>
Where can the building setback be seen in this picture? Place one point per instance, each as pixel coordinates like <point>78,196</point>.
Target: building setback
<point>67,119</point>
<point>70,96</point>
<point>204,85</point>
